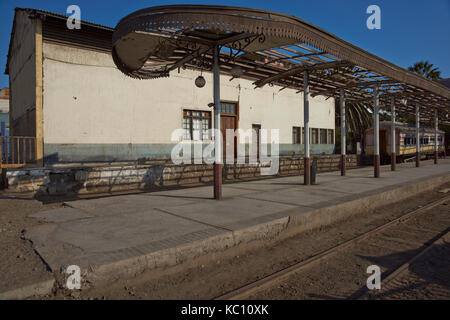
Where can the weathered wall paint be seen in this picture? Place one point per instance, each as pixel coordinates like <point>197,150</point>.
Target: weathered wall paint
<point>55,153</point>
<point>90,107</point>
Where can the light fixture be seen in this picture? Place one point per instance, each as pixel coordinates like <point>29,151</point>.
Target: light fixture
<point>200,82</point>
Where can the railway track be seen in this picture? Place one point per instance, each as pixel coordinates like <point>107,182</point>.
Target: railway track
<point>390,276</point>
<point>282,275</point>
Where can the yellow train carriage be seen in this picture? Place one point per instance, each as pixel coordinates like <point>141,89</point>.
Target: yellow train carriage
<point>405,138</point>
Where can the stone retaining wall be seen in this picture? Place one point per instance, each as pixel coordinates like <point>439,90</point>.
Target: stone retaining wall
<point>154,176</point>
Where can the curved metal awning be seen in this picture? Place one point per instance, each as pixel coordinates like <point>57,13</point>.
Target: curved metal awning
<point>271,49</point>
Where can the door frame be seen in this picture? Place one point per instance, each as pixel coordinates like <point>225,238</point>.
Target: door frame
<point>236,121</point>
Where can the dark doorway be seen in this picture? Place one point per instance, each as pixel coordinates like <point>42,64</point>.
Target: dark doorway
<point>383,142</point>
<point>256,139</point>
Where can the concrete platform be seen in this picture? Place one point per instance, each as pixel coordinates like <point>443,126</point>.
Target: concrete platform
<point>124,235</point>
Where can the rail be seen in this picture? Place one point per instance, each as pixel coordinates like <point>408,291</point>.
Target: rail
<point>17,151</point>
<point>279,276</point>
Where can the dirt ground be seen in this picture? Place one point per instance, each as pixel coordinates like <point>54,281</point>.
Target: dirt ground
<point>20,265</point>
<point>205,278</point>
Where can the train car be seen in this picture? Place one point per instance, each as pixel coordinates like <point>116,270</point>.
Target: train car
<point>405,137</point>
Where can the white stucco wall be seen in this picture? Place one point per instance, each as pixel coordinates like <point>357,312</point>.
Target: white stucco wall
<point>88,100</point>
<point>4,105</point>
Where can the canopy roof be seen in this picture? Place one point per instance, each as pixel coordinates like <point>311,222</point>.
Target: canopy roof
<point>272,49</point>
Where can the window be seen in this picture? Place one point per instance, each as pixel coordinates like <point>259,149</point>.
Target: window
<point>314,136</point>
<point>408,141</point>
<point>323,136</point>
<point>228,108</point>
<point>425,140</point>
<point>296,138</point>
<point>196,125</point>
<point>330,136</point>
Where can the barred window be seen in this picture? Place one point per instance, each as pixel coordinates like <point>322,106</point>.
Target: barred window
<point>196,125</point>
<point>296,138</point>
<point>315,136</point>
<point>330,136</point>
<point>323,136</point>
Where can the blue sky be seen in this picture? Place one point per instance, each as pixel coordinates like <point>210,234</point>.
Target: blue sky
<point>411,30</point>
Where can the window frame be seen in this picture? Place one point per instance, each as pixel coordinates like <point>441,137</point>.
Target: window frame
<point>321,131</point>
<point>330,133</point>
<point>297,136</point>
<point>317,138</point>
<point>191,118</point>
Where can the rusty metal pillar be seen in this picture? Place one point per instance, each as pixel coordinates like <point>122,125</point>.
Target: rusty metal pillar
<point>393,138</point>
<point>376,134</point>
<point>343,131</point>
<point>307,160</point>
<point>218,164</point>
<point>436,142</point>
<point>417,136</point>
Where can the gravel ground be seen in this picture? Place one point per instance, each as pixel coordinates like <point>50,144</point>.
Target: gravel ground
<point>342,275</point>
<point>426,278</point>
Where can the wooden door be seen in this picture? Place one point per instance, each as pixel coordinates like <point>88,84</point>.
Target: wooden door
<point>383,142</point>
<point>227,122</point>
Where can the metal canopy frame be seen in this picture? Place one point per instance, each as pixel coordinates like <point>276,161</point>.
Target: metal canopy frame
<point>272,49</point>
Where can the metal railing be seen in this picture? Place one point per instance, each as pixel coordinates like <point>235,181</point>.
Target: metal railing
<point>16,152</point>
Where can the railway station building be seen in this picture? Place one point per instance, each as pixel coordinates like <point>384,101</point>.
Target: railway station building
<point>81,108</point>
<point>102,94</point>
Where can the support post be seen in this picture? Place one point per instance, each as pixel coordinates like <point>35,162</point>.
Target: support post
<point>376,132</point>
<point>39,95</point>
<point>393,139</point>
<point>436,142</point>
<point>307,160</point>
<point>217,139</point>
<point>417,135</point>
<point>343,142</point>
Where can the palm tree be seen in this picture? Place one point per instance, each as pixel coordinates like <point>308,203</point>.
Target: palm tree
<point>427,70</point>
<point>358,118</point>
